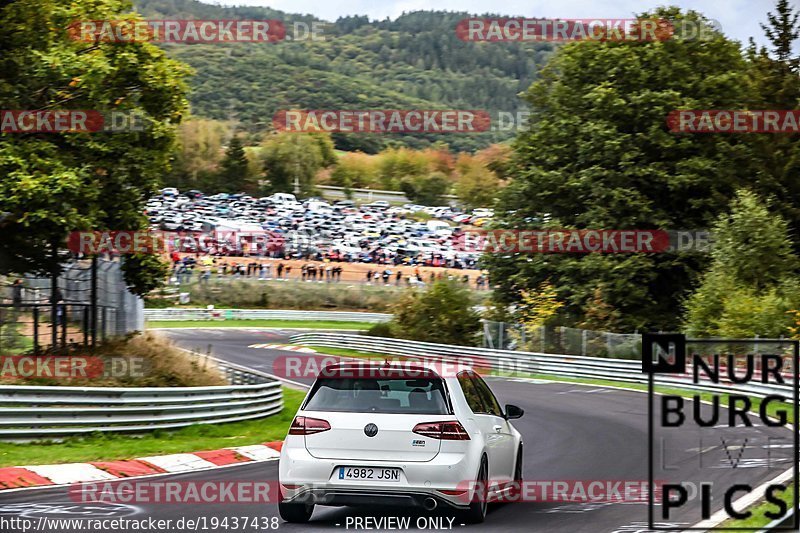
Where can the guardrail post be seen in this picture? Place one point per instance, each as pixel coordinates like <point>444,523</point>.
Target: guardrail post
<point>64,324</point>
<point>94,300</point>
<point>584,339</point>
<point>35,330</point>
<point>85,326</point>
<point>543,331</point>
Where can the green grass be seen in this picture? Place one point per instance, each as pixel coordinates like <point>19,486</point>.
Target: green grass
<point>349,352</point>
<point>199,437</point>
<point>11,341</point>
<point>757,520</point>
<point>287,324</point>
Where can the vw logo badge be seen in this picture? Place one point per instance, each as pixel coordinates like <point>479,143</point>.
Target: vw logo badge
<point>370,430</point>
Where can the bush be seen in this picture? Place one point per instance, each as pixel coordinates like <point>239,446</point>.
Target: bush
<point>751,285</point>
<point>443,313</point>
<point>164,365</point>
<point>381,329</point>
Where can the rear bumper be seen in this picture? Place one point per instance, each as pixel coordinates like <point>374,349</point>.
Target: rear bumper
<point>338,497</point>
<point>313,480</point>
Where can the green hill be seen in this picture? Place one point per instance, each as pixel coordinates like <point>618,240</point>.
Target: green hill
<point>415,61</point>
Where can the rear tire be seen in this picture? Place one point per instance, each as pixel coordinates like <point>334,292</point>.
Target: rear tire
<point>295,513</point>
<point>476,514</point>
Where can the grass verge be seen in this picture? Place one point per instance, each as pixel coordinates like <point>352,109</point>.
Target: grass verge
<point>348,352</point>
<point>144,360</point>
<point>287,324</point>
<point>199,437</point>
<point>758,520</point>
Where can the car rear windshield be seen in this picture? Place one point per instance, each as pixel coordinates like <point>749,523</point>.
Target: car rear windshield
<point>378,395</point>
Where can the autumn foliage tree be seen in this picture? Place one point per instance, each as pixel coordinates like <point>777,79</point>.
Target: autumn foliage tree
<point>598,155</point>
<point>51,183</point>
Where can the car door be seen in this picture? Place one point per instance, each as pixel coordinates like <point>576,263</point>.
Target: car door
<point>486,423</point>
<point>504,442</point>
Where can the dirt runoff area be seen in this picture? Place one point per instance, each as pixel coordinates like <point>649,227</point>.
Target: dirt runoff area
<point>351,272</point>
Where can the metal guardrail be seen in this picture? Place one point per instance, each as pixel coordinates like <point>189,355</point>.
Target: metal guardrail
<point>28,413</point>
<point>513,362</point>
<point>176,313</point>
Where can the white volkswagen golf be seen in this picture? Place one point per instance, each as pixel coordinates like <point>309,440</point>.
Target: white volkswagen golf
<point>399,436</point>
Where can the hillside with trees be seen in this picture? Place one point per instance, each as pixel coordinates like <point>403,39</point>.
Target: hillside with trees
<point>414,61</point>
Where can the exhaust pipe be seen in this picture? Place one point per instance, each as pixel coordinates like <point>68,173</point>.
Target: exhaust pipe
<point>430,504</point>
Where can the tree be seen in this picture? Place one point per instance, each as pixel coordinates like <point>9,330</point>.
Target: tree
<point>598,155</point>
<point>750,286</point>
<point>537,308</point>
<point>197,154</point>
<point>426,190</point>
<point>776,85</point>
<point>783,30</point>
<point>144,272</point>
<point>478,187</point>
<point>51,183</point>
<point>752,245</point>
<point>600,315</point>
<point>295,158</point>
<point>234,168</point>
<point>443,313</point>
<point>354,170</point>
<point>397,164</point>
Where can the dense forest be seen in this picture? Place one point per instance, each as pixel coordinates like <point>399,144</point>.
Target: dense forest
<point>415,61</point>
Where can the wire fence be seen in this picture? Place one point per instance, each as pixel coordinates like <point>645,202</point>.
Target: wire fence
<point>34,317</point>
<point>32,329</point>
<point>561,340</point>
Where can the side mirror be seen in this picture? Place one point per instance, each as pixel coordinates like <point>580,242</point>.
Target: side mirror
<point>512,411</point>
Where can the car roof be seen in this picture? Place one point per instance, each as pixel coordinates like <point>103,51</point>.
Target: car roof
<point>427,368</point>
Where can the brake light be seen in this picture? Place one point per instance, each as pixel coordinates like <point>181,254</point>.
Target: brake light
<point>303,425</point>
<point>451,430</point>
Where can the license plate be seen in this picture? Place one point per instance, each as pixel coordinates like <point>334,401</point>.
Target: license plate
<point>358,473</point>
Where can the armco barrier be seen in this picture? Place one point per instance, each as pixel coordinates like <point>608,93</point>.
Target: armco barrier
<point>175,313</point>
<point>505,361</point>
<point>28,413</point>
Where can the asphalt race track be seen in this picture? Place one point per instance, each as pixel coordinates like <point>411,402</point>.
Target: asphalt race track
<point>571,432</point>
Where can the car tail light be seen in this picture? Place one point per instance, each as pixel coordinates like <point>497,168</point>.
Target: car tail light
<point>303,425</point>
<point>451,430</point>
